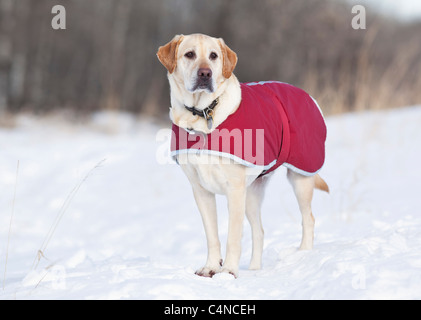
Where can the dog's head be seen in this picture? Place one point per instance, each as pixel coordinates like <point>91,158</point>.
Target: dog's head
<point>200,61</point>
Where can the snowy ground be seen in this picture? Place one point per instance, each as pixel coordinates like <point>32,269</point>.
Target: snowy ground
<point>131,229</point>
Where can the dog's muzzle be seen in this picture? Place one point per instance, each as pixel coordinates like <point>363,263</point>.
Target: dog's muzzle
<point>204,80</point>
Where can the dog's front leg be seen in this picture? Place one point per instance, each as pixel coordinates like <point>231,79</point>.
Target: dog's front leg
<point>236,207</point>
<point>207,206</point>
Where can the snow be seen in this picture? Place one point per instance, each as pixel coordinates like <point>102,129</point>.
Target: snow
<point>108,218</point>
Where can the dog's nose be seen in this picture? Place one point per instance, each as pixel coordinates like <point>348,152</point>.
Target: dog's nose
<point>204,73</point>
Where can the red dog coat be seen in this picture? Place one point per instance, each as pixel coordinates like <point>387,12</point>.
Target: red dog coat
<point>276,123</point>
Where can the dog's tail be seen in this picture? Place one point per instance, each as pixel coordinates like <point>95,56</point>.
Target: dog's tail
<point>320,184</point>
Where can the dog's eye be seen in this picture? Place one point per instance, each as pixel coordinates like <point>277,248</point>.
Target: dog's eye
<point>213,56</point>
<point>190,55</point>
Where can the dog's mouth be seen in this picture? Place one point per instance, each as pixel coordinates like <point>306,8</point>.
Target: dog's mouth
<point>203,86</point>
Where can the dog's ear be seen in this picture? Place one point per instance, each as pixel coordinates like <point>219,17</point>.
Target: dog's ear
<point>167,54</point>
<point>229,59</point>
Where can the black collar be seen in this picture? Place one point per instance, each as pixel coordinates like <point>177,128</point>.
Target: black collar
<point>206,113</point>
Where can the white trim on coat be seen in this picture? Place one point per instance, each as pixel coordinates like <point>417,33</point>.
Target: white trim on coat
<point>225,155</point>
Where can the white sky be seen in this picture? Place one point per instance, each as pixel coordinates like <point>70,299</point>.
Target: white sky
<point>403,9</point>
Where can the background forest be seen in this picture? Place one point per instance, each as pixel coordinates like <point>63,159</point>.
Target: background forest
<point>105,59</point>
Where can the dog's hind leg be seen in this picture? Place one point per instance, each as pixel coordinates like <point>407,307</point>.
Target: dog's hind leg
<point>303,188</point>
<point>255,193</point>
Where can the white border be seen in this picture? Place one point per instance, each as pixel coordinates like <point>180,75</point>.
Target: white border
<point>225,155</point>
<point>242,161</point>
<point>264,82</point>
<point>302,172</point>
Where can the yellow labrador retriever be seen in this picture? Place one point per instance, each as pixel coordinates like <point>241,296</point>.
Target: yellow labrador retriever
<point>206,95</point>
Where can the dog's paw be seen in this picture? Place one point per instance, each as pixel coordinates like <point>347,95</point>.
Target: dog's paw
<point>208,272</point>
<point>223,277</point>
<point>231,271</point>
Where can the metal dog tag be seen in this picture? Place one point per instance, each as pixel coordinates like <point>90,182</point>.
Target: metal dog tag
<point>210,122</point>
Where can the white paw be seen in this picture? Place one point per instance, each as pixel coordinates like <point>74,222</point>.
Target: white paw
<point>208,272</point>
<point>231,271</point>
<point>223,277</point>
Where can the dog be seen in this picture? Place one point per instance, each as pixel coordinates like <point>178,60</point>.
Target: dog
<point>205,97</point>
